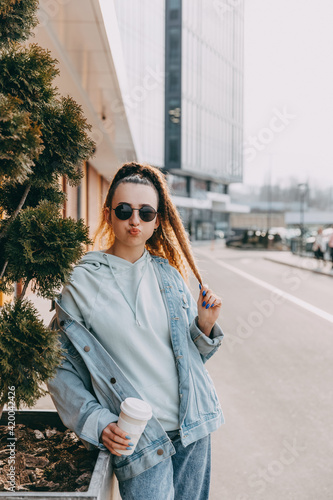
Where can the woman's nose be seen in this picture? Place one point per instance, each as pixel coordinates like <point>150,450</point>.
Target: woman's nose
<point>135,218</point>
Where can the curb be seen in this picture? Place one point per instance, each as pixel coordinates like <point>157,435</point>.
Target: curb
<point>316,271</point>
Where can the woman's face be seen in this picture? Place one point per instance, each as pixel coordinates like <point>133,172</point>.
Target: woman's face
<point>133,231</point>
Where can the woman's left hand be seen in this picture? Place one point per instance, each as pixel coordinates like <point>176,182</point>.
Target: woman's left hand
<point>209,308</point>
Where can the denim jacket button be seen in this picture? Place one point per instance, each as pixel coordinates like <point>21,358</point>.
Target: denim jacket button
<point>113,380</point>
<point>160,451</point>
<point>86,348</point>
<point>62,323</point>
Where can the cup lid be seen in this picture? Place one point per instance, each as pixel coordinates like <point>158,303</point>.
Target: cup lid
<point>136,408</point>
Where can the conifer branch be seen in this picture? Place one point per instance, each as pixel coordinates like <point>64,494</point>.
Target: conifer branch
<point>3,269</point>
<point>13,217</point>
<point>27,281</point>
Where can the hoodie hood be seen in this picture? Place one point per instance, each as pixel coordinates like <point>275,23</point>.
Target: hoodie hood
<point>128,276</point>
<point>95,259</point>
<point>98,258</point>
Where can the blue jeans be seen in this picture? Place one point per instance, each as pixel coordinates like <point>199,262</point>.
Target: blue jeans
<point>183,476</point>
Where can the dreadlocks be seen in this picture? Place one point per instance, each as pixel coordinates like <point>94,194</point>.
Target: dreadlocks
<point>170,240</point>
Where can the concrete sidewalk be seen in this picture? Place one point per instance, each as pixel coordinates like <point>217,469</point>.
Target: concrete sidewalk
<point>285,257</point>
<point>301,262</point>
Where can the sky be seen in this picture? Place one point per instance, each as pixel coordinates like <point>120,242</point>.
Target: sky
<point>288,92</point>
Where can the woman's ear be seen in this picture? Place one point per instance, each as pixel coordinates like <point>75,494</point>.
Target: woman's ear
<point>157,221</point>
<point>107,216</point>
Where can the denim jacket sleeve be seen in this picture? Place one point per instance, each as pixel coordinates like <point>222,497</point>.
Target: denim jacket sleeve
<point>207,346</point>
<point>66,388</point>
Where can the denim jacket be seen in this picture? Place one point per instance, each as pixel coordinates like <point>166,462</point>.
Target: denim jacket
<point>88,386</point>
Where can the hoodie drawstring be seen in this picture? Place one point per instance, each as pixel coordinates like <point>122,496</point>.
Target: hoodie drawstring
<point>137,291</point>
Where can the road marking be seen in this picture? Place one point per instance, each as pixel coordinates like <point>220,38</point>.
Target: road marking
<point>286,295</point>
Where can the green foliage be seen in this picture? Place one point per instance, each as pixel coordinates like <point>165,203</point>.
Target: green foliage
<point>43,136</point>
<point>28,73</point>
<point>17,19</point>
<point>11,194</point>
<point>41,246</point>
<point>20,139</point>
<point>66,142</point>
<point>30,352</point>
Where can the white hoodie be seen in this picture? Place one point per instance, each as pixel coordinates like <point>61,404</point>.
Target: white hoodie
<point>128,317</point>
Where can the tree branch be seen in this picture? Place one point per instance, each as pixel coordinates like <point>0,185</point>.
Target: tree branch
<point>3,269</point>
<point>14,215</point>
<point>24,289</point>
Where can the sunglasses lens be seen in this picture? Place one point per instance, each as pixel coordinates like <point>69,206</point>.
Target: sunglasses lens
<point>147,214</point>
<point>123,212</point>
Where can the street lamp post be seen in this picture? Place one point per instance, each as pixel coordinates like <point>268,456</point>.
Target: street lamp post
<point>303,188</point>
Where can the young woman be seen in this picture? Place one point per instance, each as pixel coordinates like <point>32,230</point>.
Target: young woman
<point>131,328</point>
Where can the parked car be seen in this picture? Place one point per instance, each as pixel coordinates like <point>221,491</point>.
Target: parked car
<point>247,238</point>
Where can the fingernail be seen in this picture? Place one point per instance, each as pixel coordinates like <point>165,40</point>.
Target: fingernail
<point>204,303</point>
<point>207,306</point>
<point>128,448</point>
<point>199,286</point>
<point>212,305</point>
<point>128,437</point>
<point>204,293</point>
<point>131,444</point>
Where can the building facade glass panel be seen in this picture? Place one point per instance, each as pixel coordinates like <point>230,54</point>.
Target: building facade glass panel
<point>212,90</point>
<point>141,27</point>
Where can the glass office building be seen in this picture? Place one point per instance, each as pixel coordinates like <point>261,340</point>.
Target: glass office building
<point>204,109</point>
<point>190,120</point>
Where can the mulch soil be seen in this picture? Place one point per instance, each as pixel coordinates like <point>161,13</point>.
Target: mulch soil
<point>46,459</point>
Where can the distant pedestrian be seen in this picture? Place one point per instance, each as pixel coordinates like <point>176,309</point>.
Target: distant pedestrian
<point>319,247</point>
<point>330,246</point>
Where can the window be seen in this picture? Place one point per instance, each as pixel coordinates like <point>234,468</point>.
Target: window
<point>174,14</point>
<point>174,149</point>
<point>174,43</point>
<point>178,184</point>
<point>174,80</point>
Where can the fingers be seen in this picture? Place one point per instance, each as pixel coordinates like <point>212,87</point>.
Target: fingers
<point>207,298</point>
<point>115,438</point>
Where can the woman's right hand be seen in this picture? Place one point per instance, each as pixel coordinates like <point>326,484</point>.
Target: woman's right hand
<point>113,437</point>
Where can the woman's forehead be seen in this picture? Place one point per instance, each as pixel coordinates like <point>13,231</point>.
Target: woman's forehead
<point>140,193</point>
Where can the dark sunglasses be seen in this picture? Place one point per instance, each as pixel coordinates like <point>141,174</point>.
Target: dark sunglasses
<point>124,212</point>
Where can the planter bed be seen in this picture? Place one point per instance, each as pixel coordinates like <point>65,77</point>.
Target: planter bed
<point>101,481</point>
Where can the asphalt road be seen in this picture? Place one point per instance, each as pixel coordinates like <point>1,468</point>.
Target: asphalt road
<point>273,374</point>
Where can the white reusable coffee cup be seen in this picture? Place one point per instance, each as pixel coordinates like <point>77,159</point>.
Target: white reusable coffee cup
<point>133,419</point>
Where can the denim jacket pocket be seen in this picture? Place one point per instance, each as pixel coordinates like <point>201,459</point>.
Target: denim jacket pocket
<point>71,351</point>
<point>203,398</point>
<point>211,385</point>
